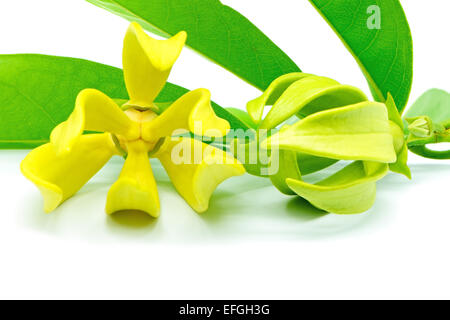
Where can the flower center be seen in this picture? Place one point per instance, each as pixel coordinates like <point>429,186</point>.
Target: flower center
<point>139,117</point>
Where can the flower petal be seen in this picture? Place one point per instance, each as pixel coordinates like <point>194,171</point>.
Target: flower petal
<point>136,187</point>
<point>288,168</point>
<point>397,130</point>
<point>355,132</point>
<point>192,112</point>
<point>256,106</point>
<point>401,165</point>
<point>94,111</point>
<point>147,63</point>
<point>351,190</point>
<point>393,113</point>
<point>196,169</point>
<point>309,95</point>
<point>309,164</point>
<point>60,177</point>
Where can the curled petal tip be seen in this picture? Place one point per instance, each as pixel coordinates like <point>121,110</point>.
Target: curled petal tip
<point>52,194</point>
<point>136,188</point>
<point>192,111</point>
<point>127,195</point>
<point>58,178</point>
<point>351,190</point>
<point>147,63</point>
<point>203,120</point>
<point>197,180</point>
<point>93,111</point>
<point>181,37</point>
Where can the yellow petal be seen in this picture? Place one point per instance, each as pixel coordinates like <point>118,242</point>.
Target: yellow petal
<point>60,177</point>
<point>136,187</point>
<point>196,169</point>
<point>147,63</point>
<point>192,112</point>
<point>94,111</point>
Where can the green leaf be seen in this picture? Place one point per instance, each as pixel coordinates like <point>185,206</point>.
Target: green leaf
<point>435,104</point>
<point>214,30</point>
<point>244,117</point>
<point>37,92</point>
<point>384,54</point>
<point>231,116</point>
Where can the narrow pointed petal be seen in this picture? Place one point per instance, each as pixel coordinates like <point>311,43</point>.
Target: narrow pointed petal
<point>136,187</point>
<point>256,106</point>
<point>60,177</point>
<point>196,169</point>
<point>309,95</point>
<point>397,130</point>
<point>288,168</point>
<point>349,191</point>
<point>355,132</point>
<point>401,165</point>
<point>393,113</point>
<point>309,164</point>
<point>147,63</point>
<point>251,156</point>
<point>94,111</point>
<point>192,112</point>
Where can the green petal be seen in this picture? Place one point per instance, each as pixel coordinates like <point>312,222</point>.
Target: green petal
<point>393,113</point>
<point>397,129</point>
<point>248,153</point>
<point>349,191</point>
<point>256,106</point>
<point>309,164</point>
<point>309,95</point>
<point>355,132</point>
<point>288,168</point>
<point>401,165</point>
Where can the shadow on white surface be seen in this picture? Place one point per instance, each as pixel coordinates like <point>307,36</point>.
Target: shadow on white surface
<point>243,208</point>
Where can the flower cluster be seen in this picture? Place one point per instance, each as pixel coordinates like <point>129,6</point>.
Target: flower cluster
<point>334,122</point>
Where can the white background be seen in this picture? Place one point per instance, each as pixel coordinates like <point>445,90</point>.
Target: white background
<point>254,242</point>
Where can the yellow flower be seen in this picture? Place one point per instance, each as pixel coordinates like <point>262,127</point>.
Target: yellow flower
<point>60,168</point>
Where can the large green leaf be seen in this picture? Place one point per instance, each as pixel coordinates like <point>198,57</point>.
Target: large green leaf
<point>383,52</point>
<point>215,30</point>
<point>37,92</point>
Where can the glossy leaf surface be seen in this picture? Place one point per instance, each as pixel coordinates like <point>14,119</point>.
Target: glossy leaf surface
<point>215,30</point>
<point>37,92</point>
<point>377,34</point>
